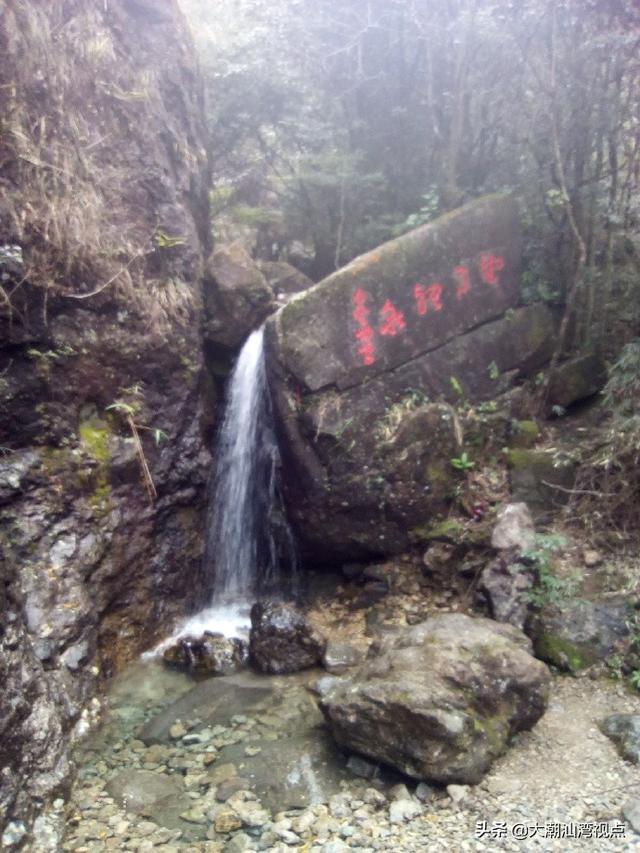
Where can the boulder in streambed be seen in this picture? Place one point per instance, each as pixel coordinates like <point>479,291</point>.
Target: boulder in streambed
<point>282,639</point>
<point>440,700</point>
<point>211,654</point>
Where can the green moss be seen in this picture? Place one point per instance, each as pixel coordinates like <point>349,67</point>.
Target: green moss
<point>525,433</point>
<point>522,458</point>
<point>450,529</point>
<point>94,439</point>
<point>563,653</point>
<point>494,729</point>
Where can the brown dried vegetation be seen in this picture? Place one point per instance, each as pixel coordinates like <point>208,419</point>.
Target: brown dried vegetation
<point>73,195</point>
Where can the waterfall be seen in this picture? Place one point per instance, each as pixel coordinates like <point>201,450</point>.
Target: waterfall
<point>247,535</point>
<point>248,542</point>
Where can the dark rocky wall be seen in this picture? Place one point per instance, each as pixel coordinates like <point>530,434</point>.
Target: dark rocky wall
<point>104,223</point>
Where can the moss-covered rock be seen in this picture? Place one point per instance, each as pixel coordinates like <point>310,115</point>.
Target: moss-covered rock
<point>440,701</point>
<point>524,434</point>
<point>541,478</point>
<point>577,379</point>
<point>578,633</point>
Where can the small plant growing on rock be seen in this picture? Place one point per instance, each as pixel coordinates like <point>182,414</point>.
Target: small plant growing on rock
<point>550,588</point>
<point>462,462</point>
<point>128,411</point>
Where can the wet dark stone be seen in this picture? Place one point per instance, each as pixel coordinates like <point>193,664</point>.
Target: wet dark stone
<point>282,640</point>
<point>211,654</point>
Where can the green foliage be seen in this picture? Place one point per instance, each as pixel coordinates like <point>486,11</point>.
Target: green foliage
<point>395,414</point>
<point>493,370</point>
<point>124,408</point>
<point>457,387</point>
<point>634,679</point>
<point>428,211</point>
<point>462,462</point>
<point>550,588</point>
<point>164,241</point>
<point>159,435</point>
<point>622,391</point>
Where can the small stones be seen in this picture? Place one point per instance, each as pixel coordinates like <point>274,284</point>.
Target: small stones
<point>222,772</point>
<point>591,558</point>
<point>238,844</point>
<point>404,810</point>
<point>373,797</point>
<point>424,792</point>
<point>227,820</point>
<point>457,793</point>
<point>177,731</point>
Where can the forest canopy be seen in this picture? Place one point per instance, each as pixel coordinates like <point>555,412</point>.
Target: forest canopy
<point>335,126</point>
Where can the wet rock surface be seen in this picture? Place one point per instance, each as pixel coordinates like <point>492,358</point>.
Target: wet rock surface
<point>440,701</point>
<point>237,297</point>
<point>211,654</point>
<point>282,639</point>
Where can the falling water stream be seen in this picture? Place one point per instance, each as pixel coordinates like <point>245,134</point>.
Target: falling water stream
<point>249,547</point>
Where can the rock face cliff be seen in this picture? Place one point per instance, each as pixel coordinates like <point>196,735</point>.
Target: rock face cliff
<point>103,233</point>
<point>365,363</point>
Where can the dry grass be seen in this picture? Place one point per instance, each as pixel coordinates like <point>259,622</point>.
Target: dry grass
<point>67,100</point>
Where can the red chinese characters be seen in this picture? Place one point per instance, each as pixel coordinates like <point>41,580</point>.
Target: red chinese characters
<point>490,266</point>
<point>462,279</point>
<point>364,333</point>
<point>392,320</point>
<point>428,297</point>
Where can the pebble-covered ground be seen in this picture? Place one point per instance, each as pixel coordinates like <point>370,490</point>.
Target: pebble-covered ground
<point>560,780</point>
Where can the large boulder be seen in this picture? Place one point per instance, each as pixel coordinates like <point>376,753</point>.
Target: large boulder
<point>440,701</point>
<point>363,364</point>
<point>237,296</point>
<point>624,731</point>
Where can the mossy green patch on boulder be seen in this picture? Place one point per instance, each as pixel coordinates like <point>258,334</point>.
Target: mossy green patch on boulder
<point>94,439</point>
<point>578,633</point>
<point>542,479</point>
<point>564,654</point>
<point>524,434</point>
